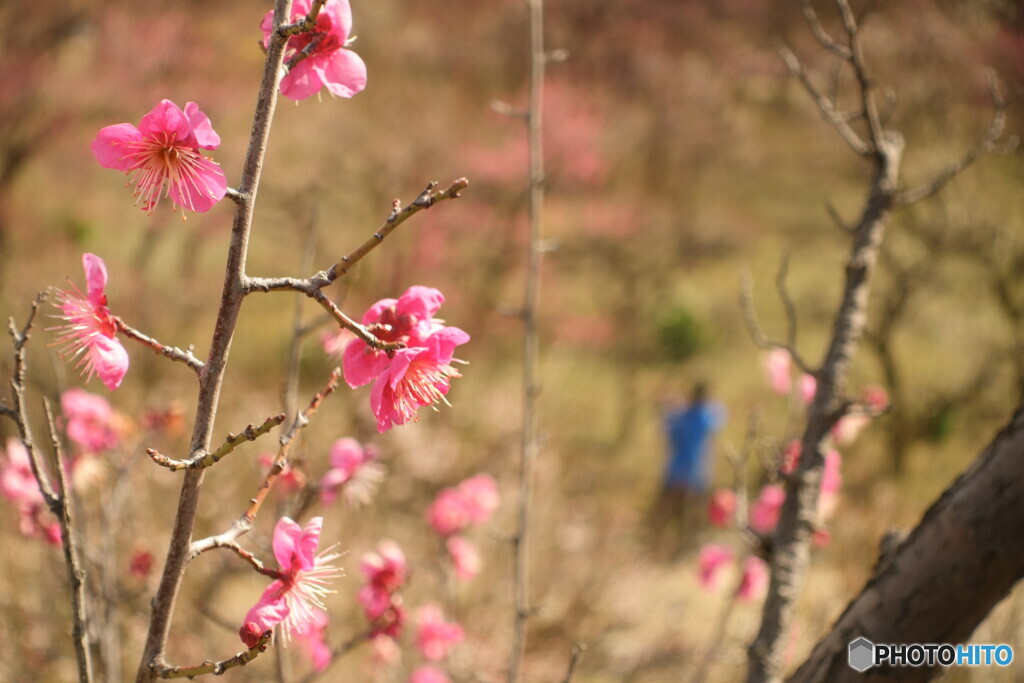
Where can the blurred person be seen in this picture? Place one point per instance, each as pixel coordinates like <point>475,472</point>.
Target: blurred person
<point>689,428</point>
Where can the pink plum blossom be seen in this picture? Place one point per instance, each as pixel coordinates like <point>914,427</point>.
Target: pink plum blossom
<point>334,343</point>
<point>301,584</point>
<point>831,482</point>
<point>790,457</point>
<point>710,561</point>
<point>385,572</point>
<point>163,154</point>
<point>436,636</point>
<point>428,674</point>
<point>314,639</point>
<point>353,467</point>
<point>385,650</point>
<point>764,512</point>
<point>89,420</point>
<point>411,377</point>
<point>141,564</point>
<point>776,364</point>
<point>722,507</point>
<point>328,62</point>
<point>754,582</point>
<point>89,330</point>
<point>465,557</point>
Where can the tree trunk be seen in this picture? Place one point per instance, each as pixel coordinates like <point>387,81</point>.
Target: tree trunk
<point>939,584</point>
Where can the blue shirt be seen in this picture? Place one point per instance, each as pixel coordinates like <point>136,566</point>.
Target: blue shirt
<point>689,433</point>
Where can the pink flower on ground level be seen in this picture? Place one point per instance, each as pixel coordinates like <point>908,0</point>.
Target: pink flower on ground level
<point>164,151</point>
<point>301,584</point>
<point>776,365</point>
<point>89,330</point>
<point>385,572</point>
<point>352,467</point>
<point>465,557</point>
<point>722,507</point>
<point>754,582</point>
<point>711,559</point>
<point>428,674</point>
<point>328,62</point>
<point>89,420</point>
<point>436,636</point>
<point>764,512</point>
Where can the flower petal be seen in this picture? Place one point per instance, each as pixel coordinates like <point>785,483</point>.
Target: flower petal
<point>108,359</point>
<point>167,117</point>
<point>95,278</point>
<point>108,146</point>
<point>343,72</point>
<point>200,183</point>
<point>286,535</point>
<point>206,137</point>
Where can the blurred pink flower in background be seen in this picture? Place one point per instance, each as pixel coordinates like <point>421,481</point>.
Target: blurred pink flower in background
<point>88,420</point>
<point>17,483</point>
<point>764,512</point>
<point>302,584</point>
<point>164,152</point>
<point>428,674</point>
<point>776,365</point>
<point>790,456</point>
<point>480,493</point>
<point>328,62</point>
<point>873,399</point>
<point>314,640</point>
<point>831,482</point>
<point>290,479</point>
<point>435,636</point>
<point>141,564</point>
<point>465,557</point>
<point>808,388</point>
<point>334,342</point>
<point>754,582</point>
<point>353,467</point>
<point>89,330</point>
<point>385,650</point>
<point>471,502</point>
<point>722,507</point>
<point>710,561</point>
<point>385,572</point>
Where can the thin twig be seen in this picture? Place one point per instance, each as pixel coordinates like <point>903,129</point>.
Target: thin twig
<point>757,333</point>
<point>163,670</point>
<point>172,352</point>
<point>574,661</point>
<point>201,460</point>
<point>61,508</point>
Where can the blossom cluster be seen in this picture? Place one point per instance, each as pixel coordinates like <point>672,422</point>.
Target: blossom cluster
<point>454,510</point>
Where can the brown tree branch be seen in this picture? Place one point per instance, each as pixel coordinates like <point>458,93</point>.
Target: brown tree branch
<point>202,460</point>
<point>964,556</point>
<point>163,670</point>
<point>172,352</point>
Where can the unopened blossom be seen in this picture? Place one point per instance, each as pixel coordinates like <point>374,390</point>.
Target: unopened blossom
<point>385,572</point>
<point>765,511</point>
<point>162,156</point>
<point>89,331</point>
<point>436,636</point>
<point>141,564</point>
<point>354,469</point>
<point>754,581</point>
<point>831,482</point>
<point>428,674</point>
<point>464,556</point>
<point>710,561</point>
<point>89,420</point>
<point>722,507</point>
<point>327,62</point>
<point>291,599</point>
<point>776,364</point>
<point>790,456</point>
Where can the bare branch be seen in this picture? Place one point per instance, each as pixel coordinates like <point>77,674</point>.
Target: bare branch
<point>822,36</point>
<point>827,107</point>
<point>987,145</point>
<point>230,544</point>
<point>574,661</point>
<point>307,24</point>
<point>172,352</point>
<point>201,460</point>
<point>163,670</point>
<point>61,508</point>
<point>757,334</point>
<point>856,60</point>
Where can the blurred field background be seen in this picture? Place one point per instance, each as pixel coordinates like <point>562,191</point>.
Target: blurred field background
<point>680,154</point>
